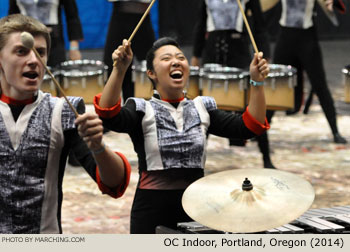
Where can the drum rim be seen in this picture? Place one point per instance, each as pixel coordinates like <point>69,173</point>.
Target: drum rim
<point>346,70</point>
<point>65,73</point>
<point>55,72</point>
<point>211,66</point>
<point>139,68</point>
<point>291,70</point>
<point>223,69</point>
<point>223,76</point>
<point>195,71</point>
<point>223,72</point>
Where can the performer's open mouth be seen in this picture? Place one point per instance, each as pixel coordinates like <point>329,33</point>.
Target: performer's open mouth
<point>176,74</point>
<point>31,75</point>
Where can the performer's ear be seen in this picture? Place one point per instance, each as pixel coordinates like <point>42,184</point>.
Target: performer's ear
<point>151,74</point>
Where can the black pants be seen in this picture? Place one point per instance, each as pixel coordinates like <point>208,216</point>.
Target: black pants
<point>57,53</point>
<point>300,48</point>
<point>152,208</point>
<point>120,27</point>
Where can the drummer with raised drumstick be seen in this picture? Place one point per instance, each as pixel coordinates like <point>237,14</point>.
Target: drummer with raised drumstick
<point>220,37</point>
<point>49,13</point>
<point>169,131</point>
<point>38,131</point>
<point>125,16</point>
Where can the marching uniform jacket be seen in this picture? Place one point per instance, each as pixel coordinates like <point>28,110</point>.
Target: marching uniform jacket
<point>300,13</point>
<point>172,139</point>
<point>220,35</point>
<point>49,13</point>
<point>297,14</point>
<point>34,146</point>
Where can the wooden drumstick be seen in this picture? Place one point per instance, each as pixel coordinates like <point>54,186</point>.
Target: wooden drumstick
<point>138,25</point>
<point>28,42</point>
<point>247,26</point>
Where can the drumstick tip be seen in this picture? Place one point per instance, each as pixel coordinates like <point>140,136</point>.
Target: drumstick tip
<point>27,40</point>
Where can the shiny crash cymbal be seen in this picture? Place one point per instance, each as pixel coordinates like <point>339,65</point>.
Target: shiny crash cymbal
<point>267,199</point>
<point>268,4</point>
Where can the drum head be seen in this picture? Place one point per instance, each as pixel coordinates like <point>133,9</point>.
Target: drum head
<point>82,68</point>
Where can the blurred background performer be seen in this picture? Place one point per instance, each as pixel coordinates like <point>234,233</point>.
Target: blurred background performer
<point>220,37</point>
<point>328,9</point>
<point>50,14</point>
<point>297,45</point>
<point>125,16</point>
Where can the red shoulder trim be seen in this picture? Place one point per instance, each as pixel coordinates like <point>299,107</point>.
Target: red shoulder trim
<point>254,125</point>
<point>106,112</point>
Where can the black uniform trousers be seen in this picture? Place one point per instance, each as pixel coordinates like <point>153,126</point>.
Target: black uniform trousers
<point>152,208</point>
<point>300,48</point>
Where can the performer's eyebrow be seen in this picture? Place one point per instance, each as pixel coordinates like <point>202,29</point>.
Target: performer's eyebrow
<point>169,54</point>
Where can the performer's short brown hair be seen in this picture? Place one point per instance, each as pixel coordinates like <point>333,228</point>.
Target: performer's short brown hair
<point>20,23</point>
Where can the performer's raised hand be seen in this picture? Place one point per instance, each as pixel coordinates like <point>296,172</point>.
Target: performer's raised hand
<point>90,130</point>
<point>259,68</point>
<point>122,56</point>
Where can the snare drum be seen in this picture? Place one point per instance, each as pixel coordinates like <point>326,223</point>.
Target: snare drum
<point>346,72</point>
<point>227,85</point>
<point>279,87</point>
<point>211,67</point>
<point>48,86</point>
<point>84,78</point>
<point>143,85</point>
<point>193,87</point>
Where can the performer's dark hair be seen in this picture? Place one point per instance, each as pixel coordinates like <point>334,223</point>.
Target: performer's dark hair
<point>151,52</point>
<point>156,45</point>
